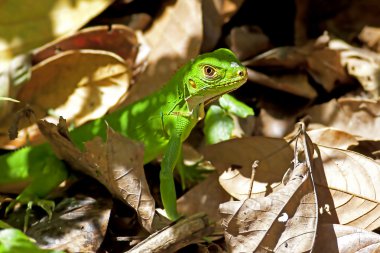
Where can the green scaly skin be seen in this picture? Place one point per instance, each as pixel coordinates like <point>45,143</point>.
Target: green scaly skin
<point>162,121</point>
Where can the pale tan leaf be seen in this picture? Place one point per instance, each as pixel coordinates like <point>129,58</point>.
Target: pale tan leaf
<point>334,238</point>
<point>274,156</point>
<point>78,85</point>
<point>361,64</point>
<point>175,37</point>
<point>29,24</point>
<point>283,221</point>
<point>354,190</point>
<point>331,137</point>
<point>359,117</point>
<point>370,36</point>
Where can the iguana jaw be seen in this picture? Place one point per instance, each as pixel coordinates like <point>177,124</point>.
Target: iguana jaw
<point>211,93</point>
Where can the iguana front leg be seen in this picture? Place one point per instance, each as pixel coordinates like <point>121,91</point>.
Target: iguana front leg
<point>42,183</point>
<point>167,186</point>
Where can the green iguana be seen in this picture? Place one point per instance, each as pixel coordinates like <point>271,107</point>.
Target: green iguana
<point>161,121</point>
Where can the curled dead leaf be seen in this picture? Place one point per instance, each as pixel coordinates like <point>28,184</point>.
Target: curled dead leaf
<point>78,85</point>
<point>116,163</point>
<point>283,221</point>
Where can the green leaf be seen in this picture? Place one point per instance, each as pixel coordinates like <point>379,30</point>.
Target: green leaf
<point>4,225</point>
<point>218,125</point>
<point>234,106</point>
<point>14,241</point>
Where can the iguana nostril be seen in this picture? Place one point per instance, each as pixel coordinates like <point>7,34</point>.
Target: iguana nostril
<point>240,73</point>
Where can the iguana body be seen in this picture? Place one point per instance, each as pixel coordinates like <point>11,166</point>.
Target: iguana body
<point>162,121</point>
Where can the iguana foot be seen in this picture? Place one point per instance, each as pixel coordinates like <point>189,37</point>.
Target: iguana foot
<point>47,205</point>
<point>191,174</point>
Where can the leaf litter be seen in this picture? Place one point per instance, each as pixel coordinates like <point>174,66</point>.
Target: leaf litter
<point>324,202</point>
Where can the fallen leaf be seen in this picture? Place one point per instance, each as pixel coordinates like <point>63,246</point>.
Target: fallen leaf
<point>247,41</point>
<point>174,40</point>
<point>215,14</point>
<point>117,164</point>
<point>118,39</point>
<point>283,221</point>
<point>296,84</point>
<point>205,197</point>
<point>77,225</point>
<point>274,156</point>
<point>370,36</point>
<point>331,137</point>
<point>361,64</point>
<point>48,20</point>
<point>346,181</point>
<point>79,85</point>
<point>12,76</point>
<point>359,117</point>
<point>334,238</point>
<point>353,190</point>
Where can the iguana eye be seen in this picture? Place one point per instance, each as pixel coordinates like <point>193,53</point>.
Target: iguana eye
<point>209,71</point>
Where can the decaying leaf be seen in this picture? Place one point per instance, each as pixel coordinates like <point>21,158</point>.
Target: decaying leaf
<point>205,197</point>
<point>331,137</point>
<point>353,191</point>
<point>77,225</point>
<point>274,156</point>
<point>316,58</point>
<point>12,76</point>
<point>335,238</point>
<point>361,64</point>
<point>78,85</point>
<point>283,221</point>
<point>116,163</point>
<point>248,41</point>
<point>174,40</point>
<point>215,14</point>
<point>370,36</point>
<point>27,29</point>
<point>118,39</point>
<point>358,117</point>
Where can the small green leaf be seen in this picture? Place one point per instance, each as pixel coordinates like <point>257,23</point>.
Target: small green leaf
<point>218,125</point>
<point>234,106</point>
<point>14,241</point>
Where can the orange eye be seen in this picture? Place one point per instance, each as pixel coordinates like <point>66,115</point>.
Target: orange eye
<point>209,71</point>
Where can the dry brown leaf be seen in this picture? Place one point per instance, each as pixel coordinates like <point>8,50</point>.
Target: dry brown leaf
<point>118,39</point>
<point>354,192</point>
<point>175,37</point>
<point>205,197</point>
<point>77,225</point>
<point>116,163</point>
<point>331,137</point>
<point>30,24</point>
<point>370,36</point>
<point>215,14</point>
<point>296,84</point>
<point>283,221</point>
<point>335,238</point>
<point>247,41</point>
<point>361,64</point>
<point>348,192</point>
<point>79,85</point>
<point>12,76</point>
<point>358,117</point>
<point>315,58</point>
<point>274,156</point>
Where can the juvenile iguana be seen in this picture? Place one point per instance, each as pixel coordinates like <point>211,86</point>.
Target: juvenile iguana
<point>161,121</point>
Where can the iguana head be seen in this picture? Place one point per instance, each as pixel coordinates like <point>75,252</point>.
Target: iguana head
<point>212,75</point>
